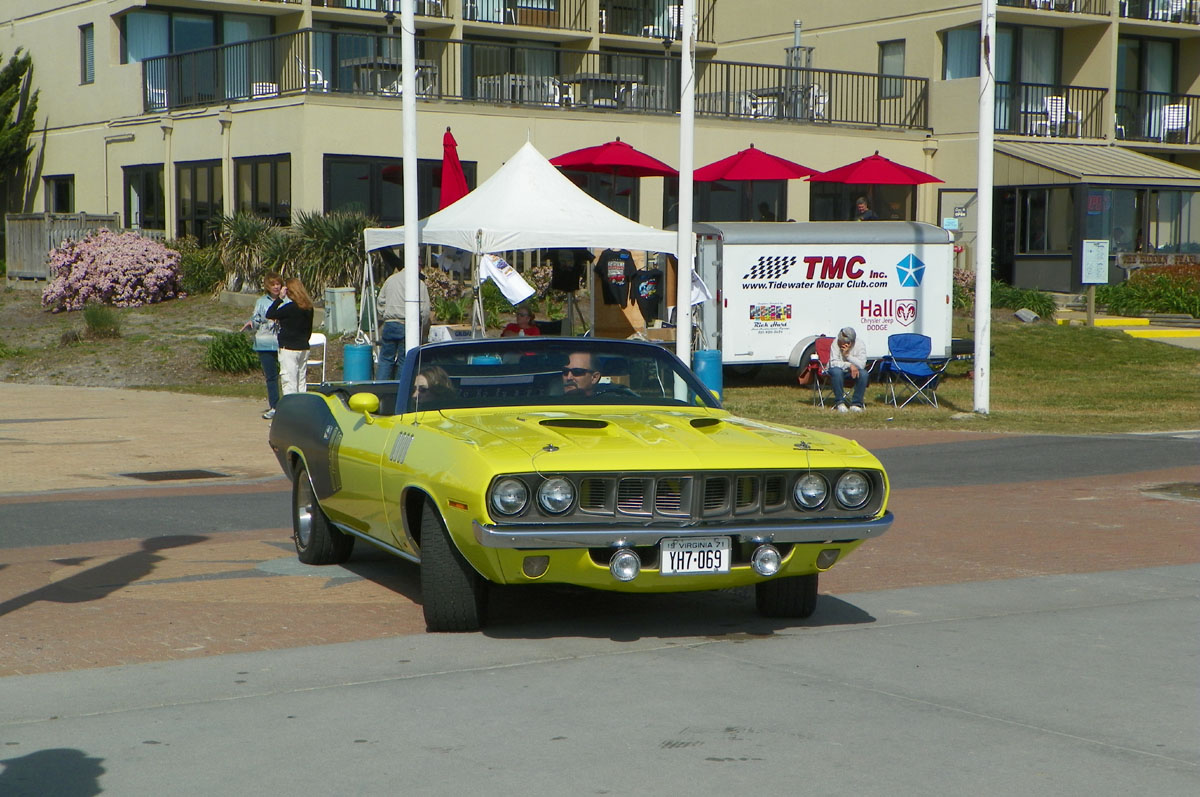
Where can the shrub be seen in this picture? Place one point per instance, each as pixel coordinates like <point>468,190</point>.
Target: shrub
<point>330,247</point>
<point>230,352</point>
<point>124,270</point>
<point>101,321</point>
<point>1159,289</point>
<point>1005,295</point>
<point>963,289</point>
<point>200,269</point>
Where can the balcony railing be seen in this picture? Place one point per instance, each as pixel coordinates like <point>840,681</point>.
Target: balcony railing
<point>1037,109</point>
<point>655,19</point>
<point>1183,11</point>
<point>559,14</point>
<point>319,62</point>
<point>1065,6</point>
<point>425,8</point>
<point>1157,116</point>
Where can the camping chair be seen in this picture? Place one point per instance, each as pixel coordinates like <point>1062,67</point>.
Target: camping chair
<point>816,373</point>
<point>316,358</point>
<point>908,362</point>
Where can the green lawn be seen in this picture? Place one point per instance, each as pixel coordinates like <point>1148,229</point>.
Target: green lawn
<point>1044,378</point>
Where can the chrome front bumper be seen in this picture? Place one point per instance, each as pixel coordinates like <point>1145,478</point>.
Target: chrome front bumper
<point>585,536</point>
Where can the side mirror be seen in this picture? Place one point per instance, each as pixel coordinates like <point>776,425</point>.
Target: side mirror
<point>366,403</point>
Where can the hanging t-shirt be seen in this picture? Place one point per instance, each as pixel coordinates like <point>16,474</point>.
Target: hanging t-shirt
<point>511,284</point>
<point>567,267</point>
<point>616,270</point>
<point>647,292</point>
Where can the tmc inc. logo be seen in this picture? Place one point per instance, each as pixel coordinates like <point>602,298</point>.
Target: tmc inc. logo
<point>911,271</point>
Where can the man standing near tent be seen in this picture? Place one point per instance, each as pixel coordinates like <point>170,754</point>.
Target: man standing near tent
<point>391,315</point>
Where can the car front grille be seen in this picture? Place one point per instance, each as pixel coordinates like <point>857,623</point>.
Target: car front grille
<point>685,498</point>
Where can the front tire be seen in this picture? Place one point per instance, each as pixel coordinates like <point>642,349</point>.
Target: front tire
<point>453,595</point>
<point>791,596</point>
<point>317,541</point>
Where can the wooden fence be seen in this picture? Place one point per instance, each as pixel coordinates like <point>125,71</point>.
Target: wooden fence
<point>29,237</point>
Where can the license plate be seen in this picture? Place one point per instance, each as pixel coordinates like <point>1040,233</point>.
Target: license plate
<point>686,556</point>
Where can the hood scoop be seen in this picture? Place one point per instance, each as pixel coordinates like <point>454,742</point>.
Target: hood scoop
<point>705,423</point>
<point>574,423</point>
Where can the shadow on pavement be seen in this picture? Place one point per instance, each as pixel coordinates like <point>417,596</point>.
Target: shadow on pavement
<point>62,771</point>
<point>98,582</point>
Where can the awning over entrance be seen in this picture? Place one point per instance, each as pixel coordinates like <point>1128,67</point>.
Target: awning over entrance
<point>1043,163</point>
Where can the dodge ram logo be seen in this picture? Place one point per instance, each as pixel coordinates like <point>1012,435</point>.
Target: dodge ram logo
<point>906,311</point>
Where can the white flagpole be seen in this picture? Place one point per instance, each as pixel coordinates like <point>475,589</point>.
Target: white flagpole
<point>686,241</point>
<point>983,208</point>
<point>408,119</point>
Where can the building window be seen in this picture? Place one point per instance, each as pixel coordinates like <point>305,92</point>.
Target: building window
<point>960,53</point>
<point>87,53</point>
<point>263,187</point>
<point>60,194</point>
<point>375,186</point>
<point>1046,220</point>
<point>720,200</point>
<point>891,62</point>
<point>198,200</point>
<point>144,197</point>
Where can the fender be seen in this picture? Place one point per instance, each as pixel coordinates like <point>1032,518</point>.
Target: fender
<point>798,351</point>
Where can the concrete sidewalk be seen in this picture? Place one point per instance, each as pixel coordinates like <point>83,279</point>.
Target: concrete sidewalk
<point>73,438</point>
<point>1176,331</point>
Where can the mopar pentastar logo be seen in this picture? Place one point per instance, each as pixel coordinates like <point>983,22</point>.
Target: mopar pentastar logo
<point>770,267</point>
<point>911,271</point>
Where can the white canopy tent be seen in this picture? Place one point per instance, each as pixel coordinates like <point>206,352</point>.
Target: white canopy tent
<point>526,204</point>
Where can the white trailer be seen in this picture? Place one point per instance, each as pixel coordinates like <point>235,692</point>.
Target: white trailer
<point>778,286</point>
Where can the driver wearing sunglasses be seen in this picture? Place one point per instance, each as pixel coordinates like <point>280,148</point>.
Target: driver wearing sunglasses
<point>580,375</point>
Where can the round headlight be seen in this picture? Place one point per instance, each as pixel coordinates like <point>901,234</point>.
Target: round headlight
<point>853,489</point>
<point>556,496</point>
<point>811,490</point>
<point>510,496</point>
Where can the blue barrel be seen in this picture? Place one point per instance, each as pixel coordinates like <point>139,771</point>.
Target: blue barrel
<point>356,362</point>
<point>707,365</point>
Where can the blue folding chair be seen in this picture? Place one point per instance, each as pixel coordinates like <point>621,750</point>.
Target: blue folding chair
<point>908,363</point>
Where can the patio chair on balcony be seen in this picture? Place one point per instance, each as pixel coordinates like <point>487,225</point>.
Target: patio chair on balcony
<point>818,103</point>
<point>1175,119</point>
<point>1058,117</point>
<point>1169,10</point>
<point>316,78</point>
<point>668,26</point>
<point>759,107</point>
<point>264,88</point>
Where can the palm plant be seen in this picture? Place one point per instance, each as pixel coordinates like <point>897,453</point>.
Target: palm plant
<point>330,247</point>
<point>240,240</point>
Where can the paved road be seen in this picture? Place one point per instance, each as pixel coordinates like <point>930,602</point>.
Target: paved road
<point>1066,685</point>
<point>1025,628</point>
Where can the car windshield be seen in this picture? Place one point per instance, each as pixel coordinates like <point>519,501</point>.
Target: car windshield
<point>547,371</point>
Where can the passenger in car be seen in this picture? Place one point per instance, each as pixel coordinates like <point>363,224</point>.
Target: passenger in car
<point>432,388</point>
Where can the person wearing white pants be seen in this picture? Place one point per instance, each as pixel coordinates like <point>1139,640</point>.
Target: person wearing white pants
<point>294,312</point>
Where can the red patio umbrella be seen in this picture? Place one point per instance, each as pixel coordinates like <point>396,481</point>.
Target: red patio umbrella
<point>875,170</point>
<point>454,182</point>
<point>752,164</point>
<point>616,158</point>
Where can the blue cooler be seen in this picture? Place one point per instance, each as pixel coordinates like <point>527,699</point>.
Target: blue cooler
<point>707,365</point>
<point>356,362</point>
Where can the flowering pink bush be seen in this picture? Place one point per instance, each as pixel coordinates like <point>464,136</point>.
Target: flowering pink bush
<point>124,270</point>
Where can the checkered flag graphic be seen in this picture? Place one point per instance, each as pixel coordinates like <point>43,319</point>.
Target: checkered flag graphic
<point>770,267</point>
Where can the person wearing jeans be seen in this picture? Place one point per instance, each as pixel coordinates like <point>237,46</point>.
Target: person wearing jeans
<point>266,339</point>
<point>390,306</point>
<point>848,359</point>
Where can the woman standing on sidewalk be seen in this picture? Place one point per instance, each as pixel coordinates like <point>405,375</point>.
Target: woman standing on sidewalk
<point>266,339</point>
<point>293,309</point>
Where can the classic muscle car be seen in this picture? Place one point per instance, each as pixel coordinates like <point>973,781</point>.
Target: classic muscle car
<point>599,463</point>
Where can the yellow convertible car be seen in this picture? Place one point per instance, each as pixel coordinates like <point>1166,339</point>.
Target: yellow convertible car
<point>599,463</point>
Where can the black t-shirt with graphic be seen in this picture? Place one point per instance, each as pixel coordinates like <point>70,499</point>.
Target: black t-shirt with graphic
<point>647,292</point>
<point>616,270</point>
<point>567,267</point>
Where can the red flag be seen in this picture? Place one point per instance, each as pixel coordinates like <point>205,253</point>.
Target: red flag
<point>454,182</point>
